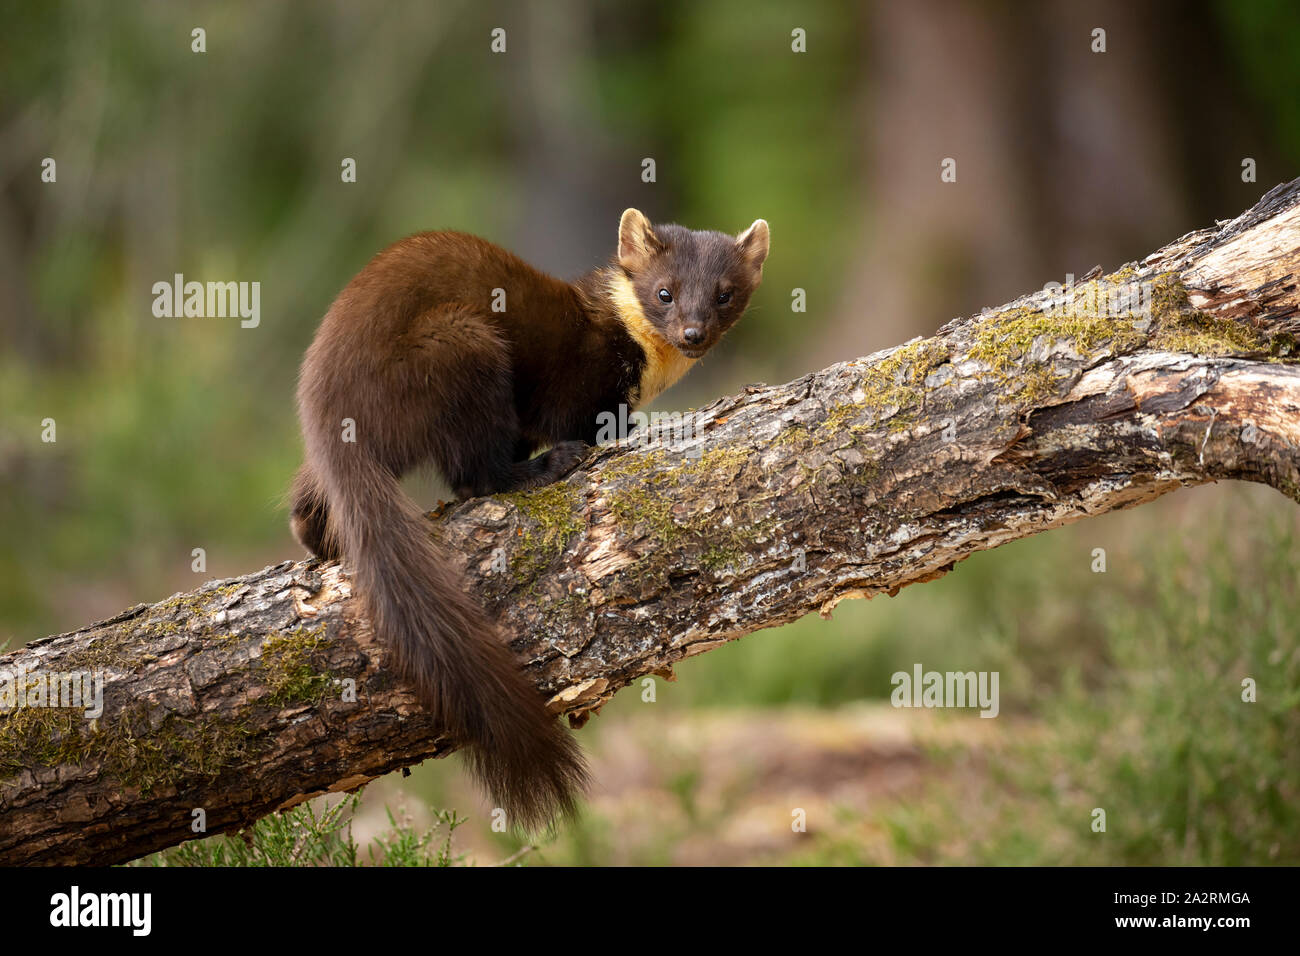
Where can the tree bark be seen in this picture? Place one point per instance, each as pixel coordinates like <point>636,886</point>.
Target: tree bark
<point>237,699</point>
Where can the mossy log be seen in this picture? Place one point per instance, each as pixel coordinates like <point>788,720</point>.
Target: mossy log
<point>859,479</point>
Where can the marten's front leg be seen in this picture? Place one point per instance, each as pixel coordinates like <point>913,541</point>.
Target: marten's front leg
<point>551,466</point>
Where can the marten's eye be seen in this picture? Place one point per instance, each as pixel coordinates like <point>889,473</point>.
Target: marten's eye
<point>665,295</point>
<point>724,298</point>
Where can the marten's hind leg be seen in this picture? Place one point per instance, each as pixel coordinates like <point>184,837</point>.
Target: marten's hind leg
<point>309,516</point>
<point>463,396</point>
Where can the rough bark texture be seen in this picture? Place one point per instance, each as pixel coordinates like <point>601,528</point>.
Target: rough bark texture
<point>859,479</point>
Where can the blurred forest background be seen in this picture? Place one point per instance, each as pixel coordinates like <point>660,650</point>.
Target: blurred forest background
<point>1119,690</point>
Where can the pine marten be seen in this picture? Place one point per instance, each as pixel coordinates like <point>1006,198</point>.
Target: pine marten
<point>413,353</point>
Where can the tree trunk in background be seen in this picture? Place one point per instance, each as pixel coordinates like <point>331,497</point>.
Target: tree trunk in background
<point>1035,120</point>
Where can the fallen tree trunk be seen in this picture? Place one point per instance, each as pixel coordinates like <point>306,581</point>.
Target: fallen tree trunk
<point>253,694</point>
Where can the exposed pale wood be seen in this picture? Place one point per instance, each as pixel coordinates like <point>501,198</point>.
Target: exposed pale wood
<point>855,480</point>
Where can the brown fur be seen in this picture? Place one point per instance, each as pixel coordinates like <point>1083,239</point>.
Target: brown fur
<point>412,352</point>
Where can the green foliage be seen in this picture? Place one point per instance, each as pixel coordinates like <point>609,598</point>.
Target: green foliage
<point>1262,37</point>
<point>303,836</point>
<point>1159,737</point>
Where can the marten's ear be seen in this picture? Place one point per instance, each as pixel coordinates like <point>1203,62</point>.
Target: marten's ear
<point>753,243</point>
<point>637,241</point>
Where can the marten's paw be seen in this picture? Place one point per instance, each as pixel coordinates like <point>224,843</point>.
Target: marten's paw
<point>549,467</point>
<point>564,458</point>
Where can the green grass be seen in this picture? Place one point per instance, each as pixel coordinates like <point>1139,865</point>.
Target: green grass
<point>304,836</point>
<point>1158,737</point>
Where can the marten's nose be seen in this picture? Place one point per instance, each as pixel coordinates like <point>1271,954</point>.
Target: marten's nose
<point>693,335</point>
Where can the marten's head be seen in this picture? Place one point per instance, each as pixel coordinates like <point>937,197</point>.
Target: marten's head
<point>689,287</point>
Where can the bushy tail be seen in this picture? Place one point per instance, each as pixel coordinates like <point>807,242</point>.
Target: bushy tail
<point>444,644</point>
